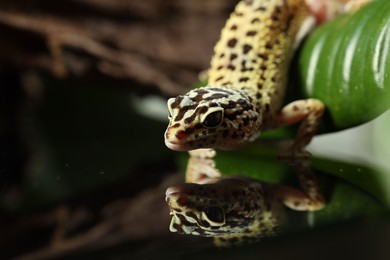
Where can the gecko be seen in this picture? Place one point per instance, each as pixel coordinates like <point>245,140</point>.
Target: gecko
<point>247,79</point>
<point>246,82</point>
<point>244,96</point>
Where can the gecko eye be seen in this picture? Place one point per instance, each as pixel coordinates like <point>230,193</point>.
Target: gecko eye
<point>213,119</point>
<point>214,214</point>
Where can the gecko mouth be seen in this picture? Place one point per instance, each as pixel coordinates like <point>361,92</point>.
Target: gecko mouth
<point>175,146</point>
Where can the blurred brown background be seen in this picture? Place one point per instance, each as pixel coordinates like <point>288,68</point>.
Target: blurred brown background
<point>158,44</point>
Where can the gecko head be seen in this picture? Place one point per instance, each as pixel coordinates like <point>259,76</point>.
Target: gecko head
<point>229,206</point>
<point>211,117</point>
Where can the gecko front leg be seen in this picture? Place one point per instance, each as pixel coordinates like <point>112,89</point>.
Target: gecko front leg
<point>309,112</point>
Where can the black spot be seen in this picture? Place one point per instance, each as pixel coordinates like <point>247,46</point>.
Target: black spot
<point>242,102</point>
<point>226,83</point>
<point>233,116</point>
<point>183,111</point>
<point>232,42</point>
<point>199,110</point>
<point>177,209</point>
<point>183,220</point>
<point>204,223</point>
<point>233,56</point>
<point>231,67</point>
<point>189,131</point>
<point>246,69</point>
<point>201,91</point>
<point>229,105</point>
<point>259,95</point>
<point>177,227</point>
<point>251,33</point>
<point>217,96</point>
<point>219,78</point>
<point>244,79</point>
<point>191,214</point>
<point>234,27</point>
<point>199,96</point>
<point>247,48</point>
<point>256,20</point>
<point>263,56</point>
<point>177,101</point>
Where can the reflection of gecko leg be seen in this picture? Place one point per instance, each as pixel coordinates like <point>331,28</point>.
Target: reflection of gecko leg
<point>201,166</point>
<point>311,198</point>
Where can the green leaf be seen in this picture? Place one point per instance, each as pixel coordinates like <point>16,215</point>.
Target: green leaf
<point>346,64</point>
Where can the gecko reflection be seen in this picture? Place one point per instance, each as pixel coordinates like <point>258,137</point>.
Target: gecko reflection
<point>231,209</point>
<point>235,209</point>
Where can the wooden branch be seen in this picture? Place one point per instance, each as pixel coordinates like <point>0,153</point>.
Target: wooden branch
<point>160,44</point>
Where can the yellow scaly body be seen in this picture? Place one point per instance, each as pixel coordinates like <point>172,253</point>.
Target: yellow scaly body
<point>246,82</point>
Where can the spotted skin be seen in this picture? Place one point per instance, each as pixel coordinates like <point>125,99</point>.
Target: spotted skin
<point>250,210</point>
<point>246,82</point>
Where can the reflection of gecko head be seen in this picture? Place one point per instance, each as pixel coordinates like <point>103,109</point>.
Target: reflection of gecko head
<point>232,206</point>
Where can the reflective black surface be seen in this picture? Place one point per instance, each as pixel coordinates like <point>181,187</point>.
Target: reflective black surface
<point>84,175</point>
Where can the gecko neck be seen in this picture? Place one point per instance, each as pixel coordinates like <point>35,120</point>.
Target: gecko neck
<point>255,49</point>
